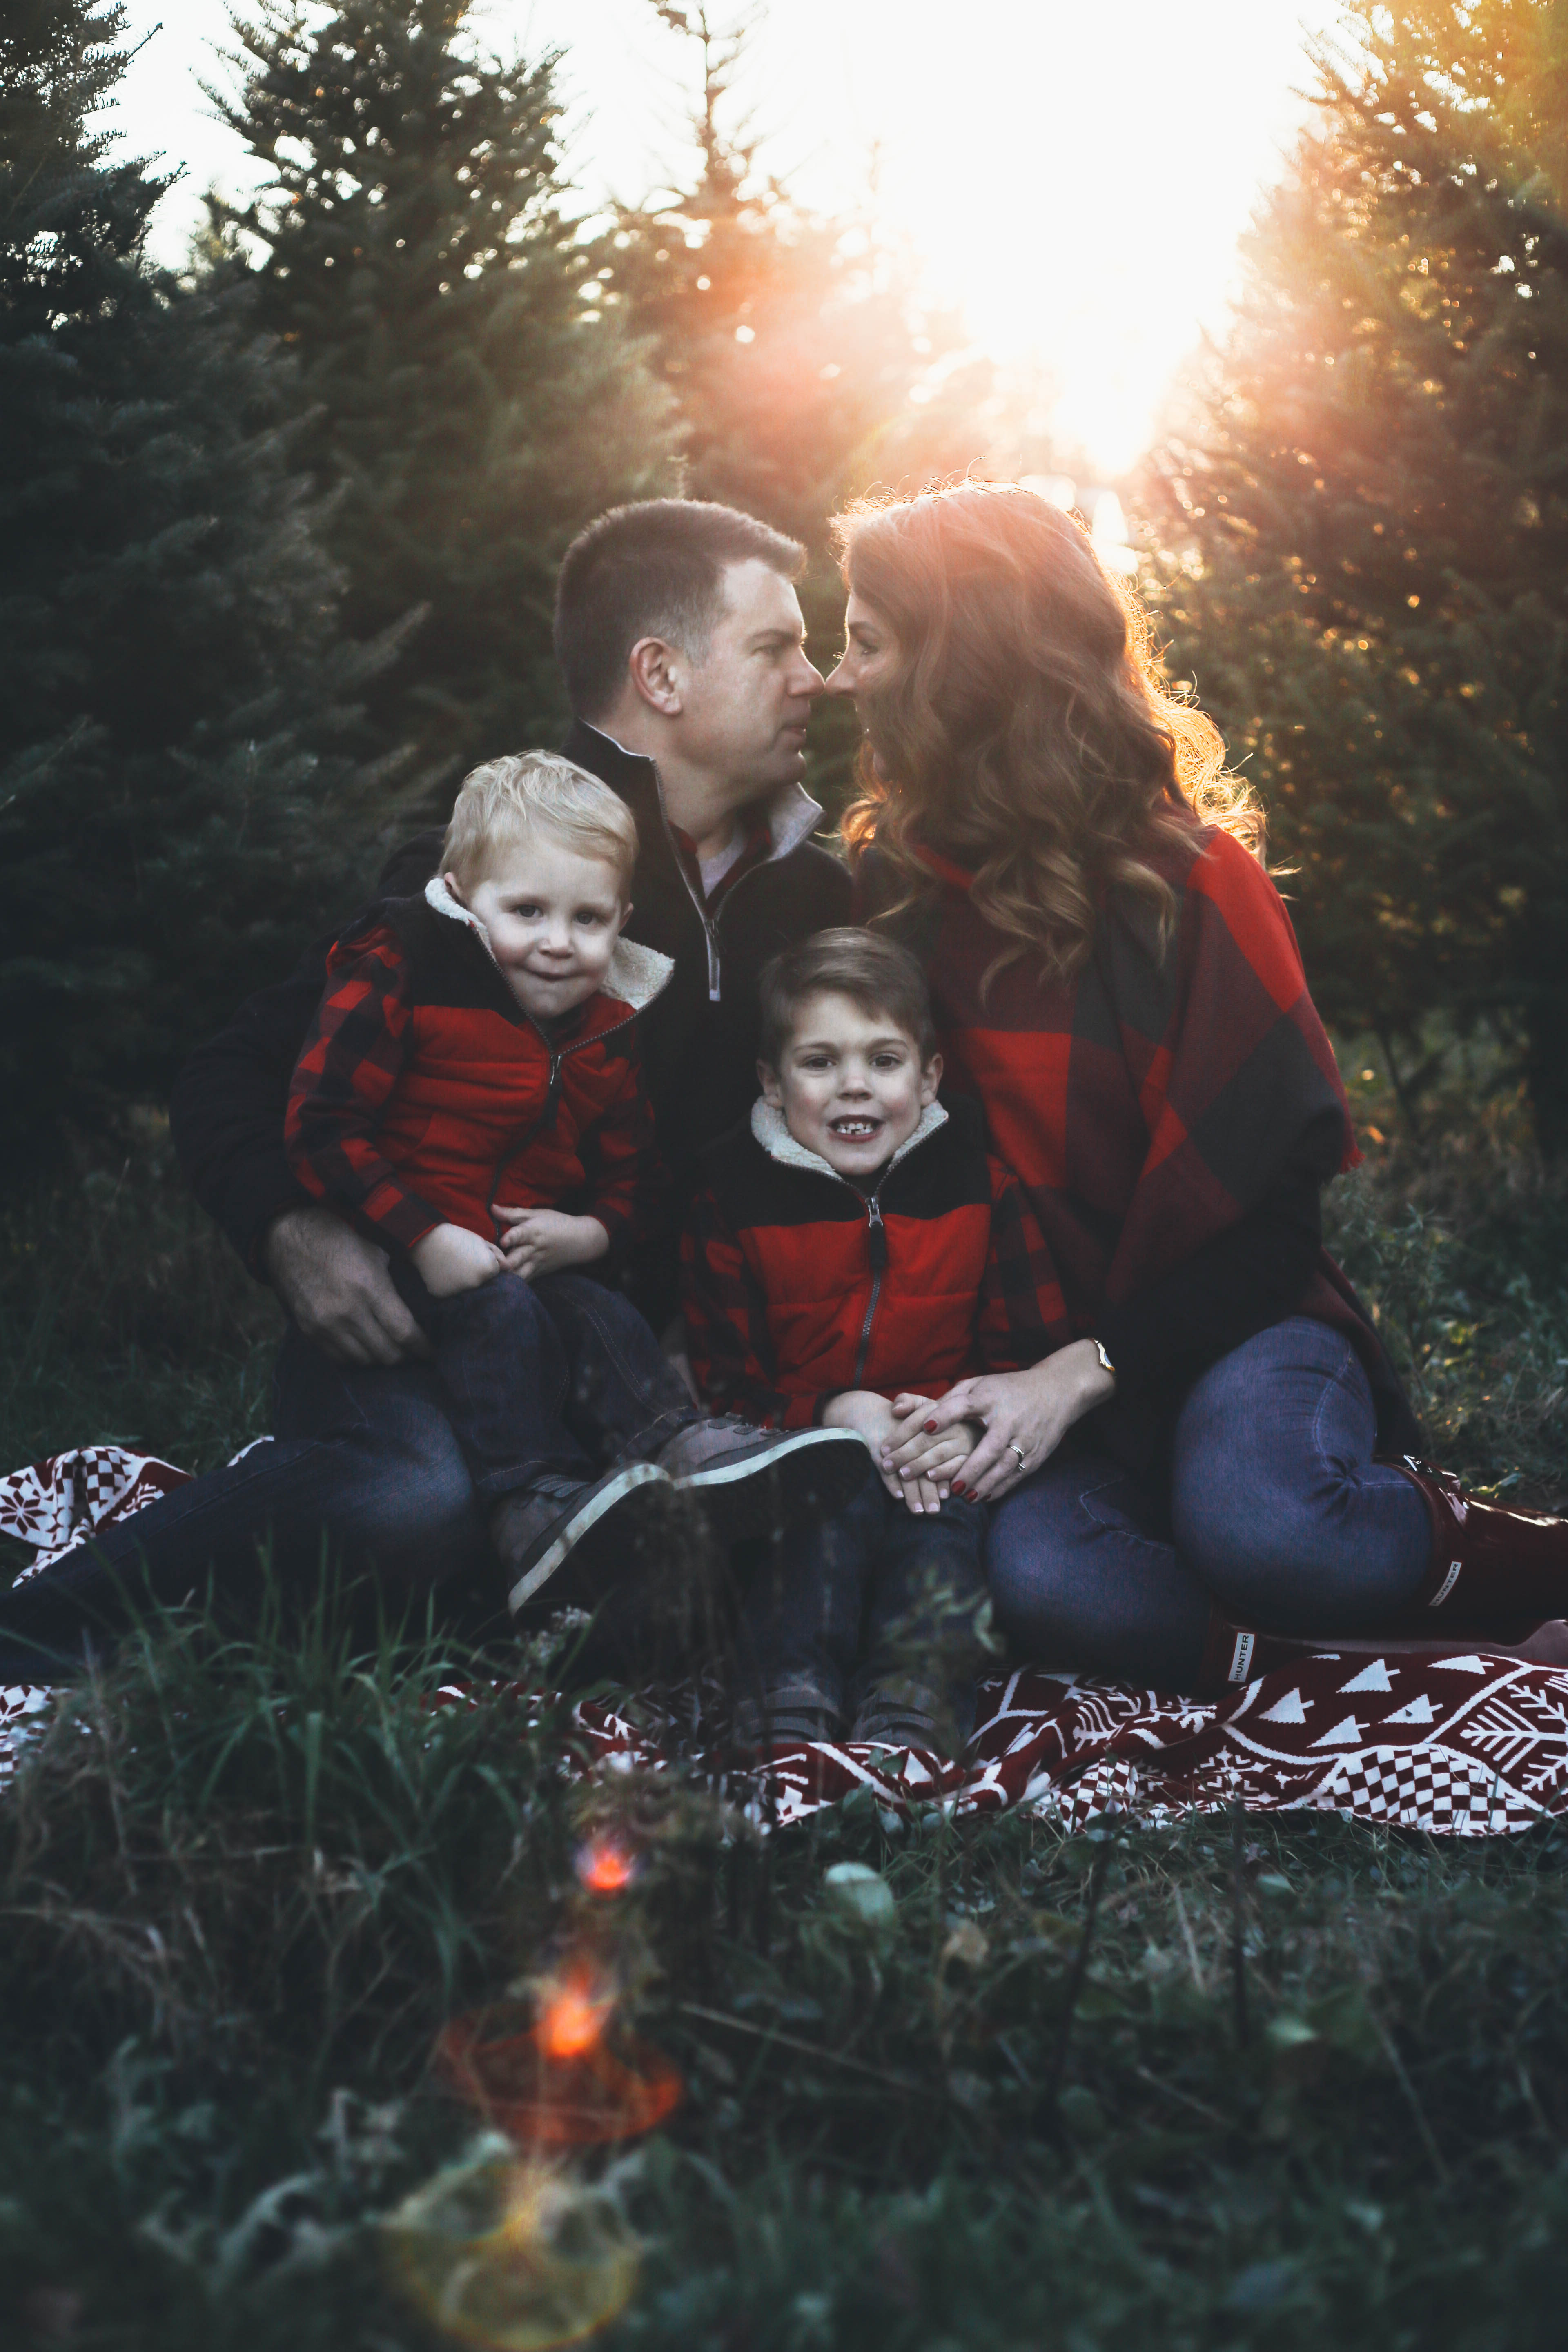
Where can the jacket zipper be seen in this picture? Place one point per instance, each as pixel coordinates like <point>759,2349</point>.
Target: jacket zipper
<point>709,923</point>
<point>877,1250</point>
<point>552,1092</point>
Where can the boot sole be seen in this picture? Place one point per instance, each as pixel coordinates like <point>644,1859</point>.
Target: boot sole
<point>807,1477</point>
<point>590,1535</point>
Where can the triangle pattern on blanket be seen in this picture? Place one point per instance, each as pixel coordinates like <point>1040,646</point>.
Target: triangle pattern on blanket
<point>1374,1677</point>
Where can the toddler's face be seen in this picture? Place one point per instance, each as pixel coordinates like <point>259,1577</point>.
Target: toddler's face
<point>553,917</point>
<point>850,1084</point>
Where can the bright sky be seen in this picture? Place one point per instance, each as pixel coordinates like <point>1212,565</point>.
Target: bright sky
<point>1074,176</point>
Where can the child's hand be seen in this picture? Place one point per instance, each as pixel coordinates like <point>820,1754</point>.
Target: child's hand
<point>544,1241</point>
<point>871,1418</point>
<point>450,1258</point>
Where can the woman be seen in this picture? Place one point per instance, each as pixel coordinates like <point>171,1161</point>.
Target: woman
<point>1197,1468</point>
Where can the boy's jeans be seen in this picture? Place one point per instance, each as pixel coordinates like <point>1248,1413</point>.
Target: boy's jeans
<point>876,1582</point>
<point>364,1473</point>
<point>557,1379</point>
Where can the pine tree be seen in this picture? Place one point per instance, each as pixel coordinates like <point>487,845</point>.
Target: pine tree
<point>178,805</point>
<point>467,400</point>
<point>792,340</point>
<point>1370,531</point>
<point>792,343</point>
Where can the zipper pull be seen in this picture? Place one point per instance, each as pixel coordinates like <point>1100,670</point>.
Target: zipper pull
<point>876,1236</point>
<point>710,932</point>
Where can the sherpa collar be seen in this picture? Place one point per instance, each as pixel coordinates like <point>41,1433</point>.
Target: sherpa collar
<point>636,974</point>
<point>768,1127</point>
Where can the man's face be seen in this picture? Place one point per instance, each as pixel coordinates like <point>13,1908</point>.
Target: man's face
<point>850,1084</point>
<point>744,707</point>
<point>552,918</point>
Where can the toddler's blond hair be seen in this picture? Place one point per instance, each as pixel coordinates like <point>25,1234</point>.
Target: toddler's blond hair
<point>509,799</point>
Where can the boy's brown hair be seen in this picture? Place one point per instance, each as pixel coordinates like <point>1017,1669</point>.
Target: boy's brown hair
<point>874,974</point>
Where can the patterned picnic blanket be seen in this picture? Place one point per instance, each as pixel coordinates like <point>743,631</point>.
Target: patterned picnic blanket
<point>1463,1747</point>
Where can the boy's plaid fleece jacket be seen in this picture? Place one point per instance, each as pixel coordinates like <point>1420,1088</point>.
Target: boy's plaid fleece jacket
<point>424,1095</point>
<point>797,1286</point>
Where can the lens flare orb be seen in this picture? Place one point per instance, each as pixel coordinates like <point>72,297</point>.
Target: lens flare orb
<point>511,2254</point>
<point>606,1866</point>
<point>556,2081</point>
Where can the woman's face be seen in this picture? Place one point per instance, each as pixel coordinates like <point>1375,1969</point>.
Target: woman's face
<point>869,652</point>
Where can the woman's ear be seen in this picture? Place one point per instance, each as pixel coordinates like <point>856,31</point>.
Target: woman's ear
<point>930,1078</point>
<point>769,1082</point>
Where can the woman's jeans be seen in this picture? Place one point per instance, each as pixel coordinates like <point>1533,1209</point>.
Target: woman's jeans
<point>1279,1515</point>
<point>877,1589</point>
<point>364,1475</point>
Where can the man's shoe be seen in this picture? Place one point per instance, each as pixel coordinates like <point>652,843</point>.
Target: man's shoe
<point>901,1713</point>
<point>751,1481</point>
<point>790,1713</point>
<point>599,1529</point>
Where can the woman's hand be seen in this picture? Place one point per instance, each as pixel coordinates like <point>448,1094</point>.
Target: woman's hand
<point>937,1456</point>
<point>544,1241</point>
<point>450,1258</point>
<point>1027,1416</point>
<point>870,1416</point>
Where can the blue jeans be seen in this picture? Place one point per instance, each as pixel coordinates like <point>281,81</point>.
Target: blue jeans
<point>1277,1514</point>
<point>876,1582</point>
<point>365,1472</point>
<point>554,1379</point>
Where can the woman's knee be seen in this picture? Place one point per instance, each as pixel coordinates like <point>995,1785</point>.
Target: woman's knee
<point>1276,1503</point>
<point>1053,1546</point>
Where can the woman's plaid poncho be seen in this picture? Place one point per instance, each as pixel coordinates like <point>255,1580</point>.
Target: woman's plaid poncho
<point>1153,1100</point>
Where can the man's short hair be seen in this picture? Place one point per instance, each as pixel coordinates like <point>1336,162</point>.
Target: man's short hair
<point>509,800</point>
<point>652,570</point>
<point>874,972</point>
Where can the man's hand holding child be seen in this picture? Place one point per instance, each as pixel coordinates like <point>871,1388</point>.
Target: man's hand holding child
<point>545,1240</point>
<point>450,1258</point>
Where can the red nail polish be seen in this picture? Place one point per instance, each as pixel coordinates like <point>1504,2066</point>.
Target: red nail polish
<point>958,1486</point>
<point>930,1428</point>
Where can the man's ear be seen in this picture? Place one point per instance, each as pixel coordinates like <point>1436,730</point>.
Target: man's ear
<point>769,1082</point>
<point>656,670</point>
<point>930,1078</point>
<point>455,887</point>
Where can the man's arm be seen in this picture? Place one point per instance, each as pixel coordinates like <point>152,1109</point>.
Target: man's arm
<point>227,1108</point>
<point>226,1116</point>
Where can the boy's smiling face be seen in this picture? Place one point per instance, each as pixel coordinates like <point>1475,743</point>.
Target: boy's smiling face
<point>850,1083</point>
<point>552,918</point>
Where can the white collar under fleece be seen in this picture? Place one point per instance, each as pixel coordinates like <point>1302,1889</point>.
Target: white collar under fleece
<point>769,1127</point>
<point>636,974</point>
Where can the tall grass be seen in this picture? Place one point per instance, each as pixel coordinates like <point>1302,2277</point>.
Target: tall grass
<point>242,1883</point>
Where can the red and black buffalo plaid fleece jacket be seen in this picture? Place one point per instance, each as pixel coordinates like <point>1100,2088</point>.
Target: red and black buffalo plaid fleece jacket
<point>1154,1107</point>
<point>424,1094</point>
<point>796,1285</point>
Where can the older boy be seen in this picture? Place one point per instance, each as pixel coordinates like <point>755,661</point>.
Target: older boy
<point>854,1250</point>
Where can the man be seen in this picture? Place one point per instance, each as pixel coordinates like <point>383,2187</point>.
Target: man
<point>680,638</point>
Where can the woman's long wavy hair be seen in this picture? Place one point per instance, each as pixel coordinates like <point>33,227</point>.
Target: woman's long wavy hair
<point>1024,729</point>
